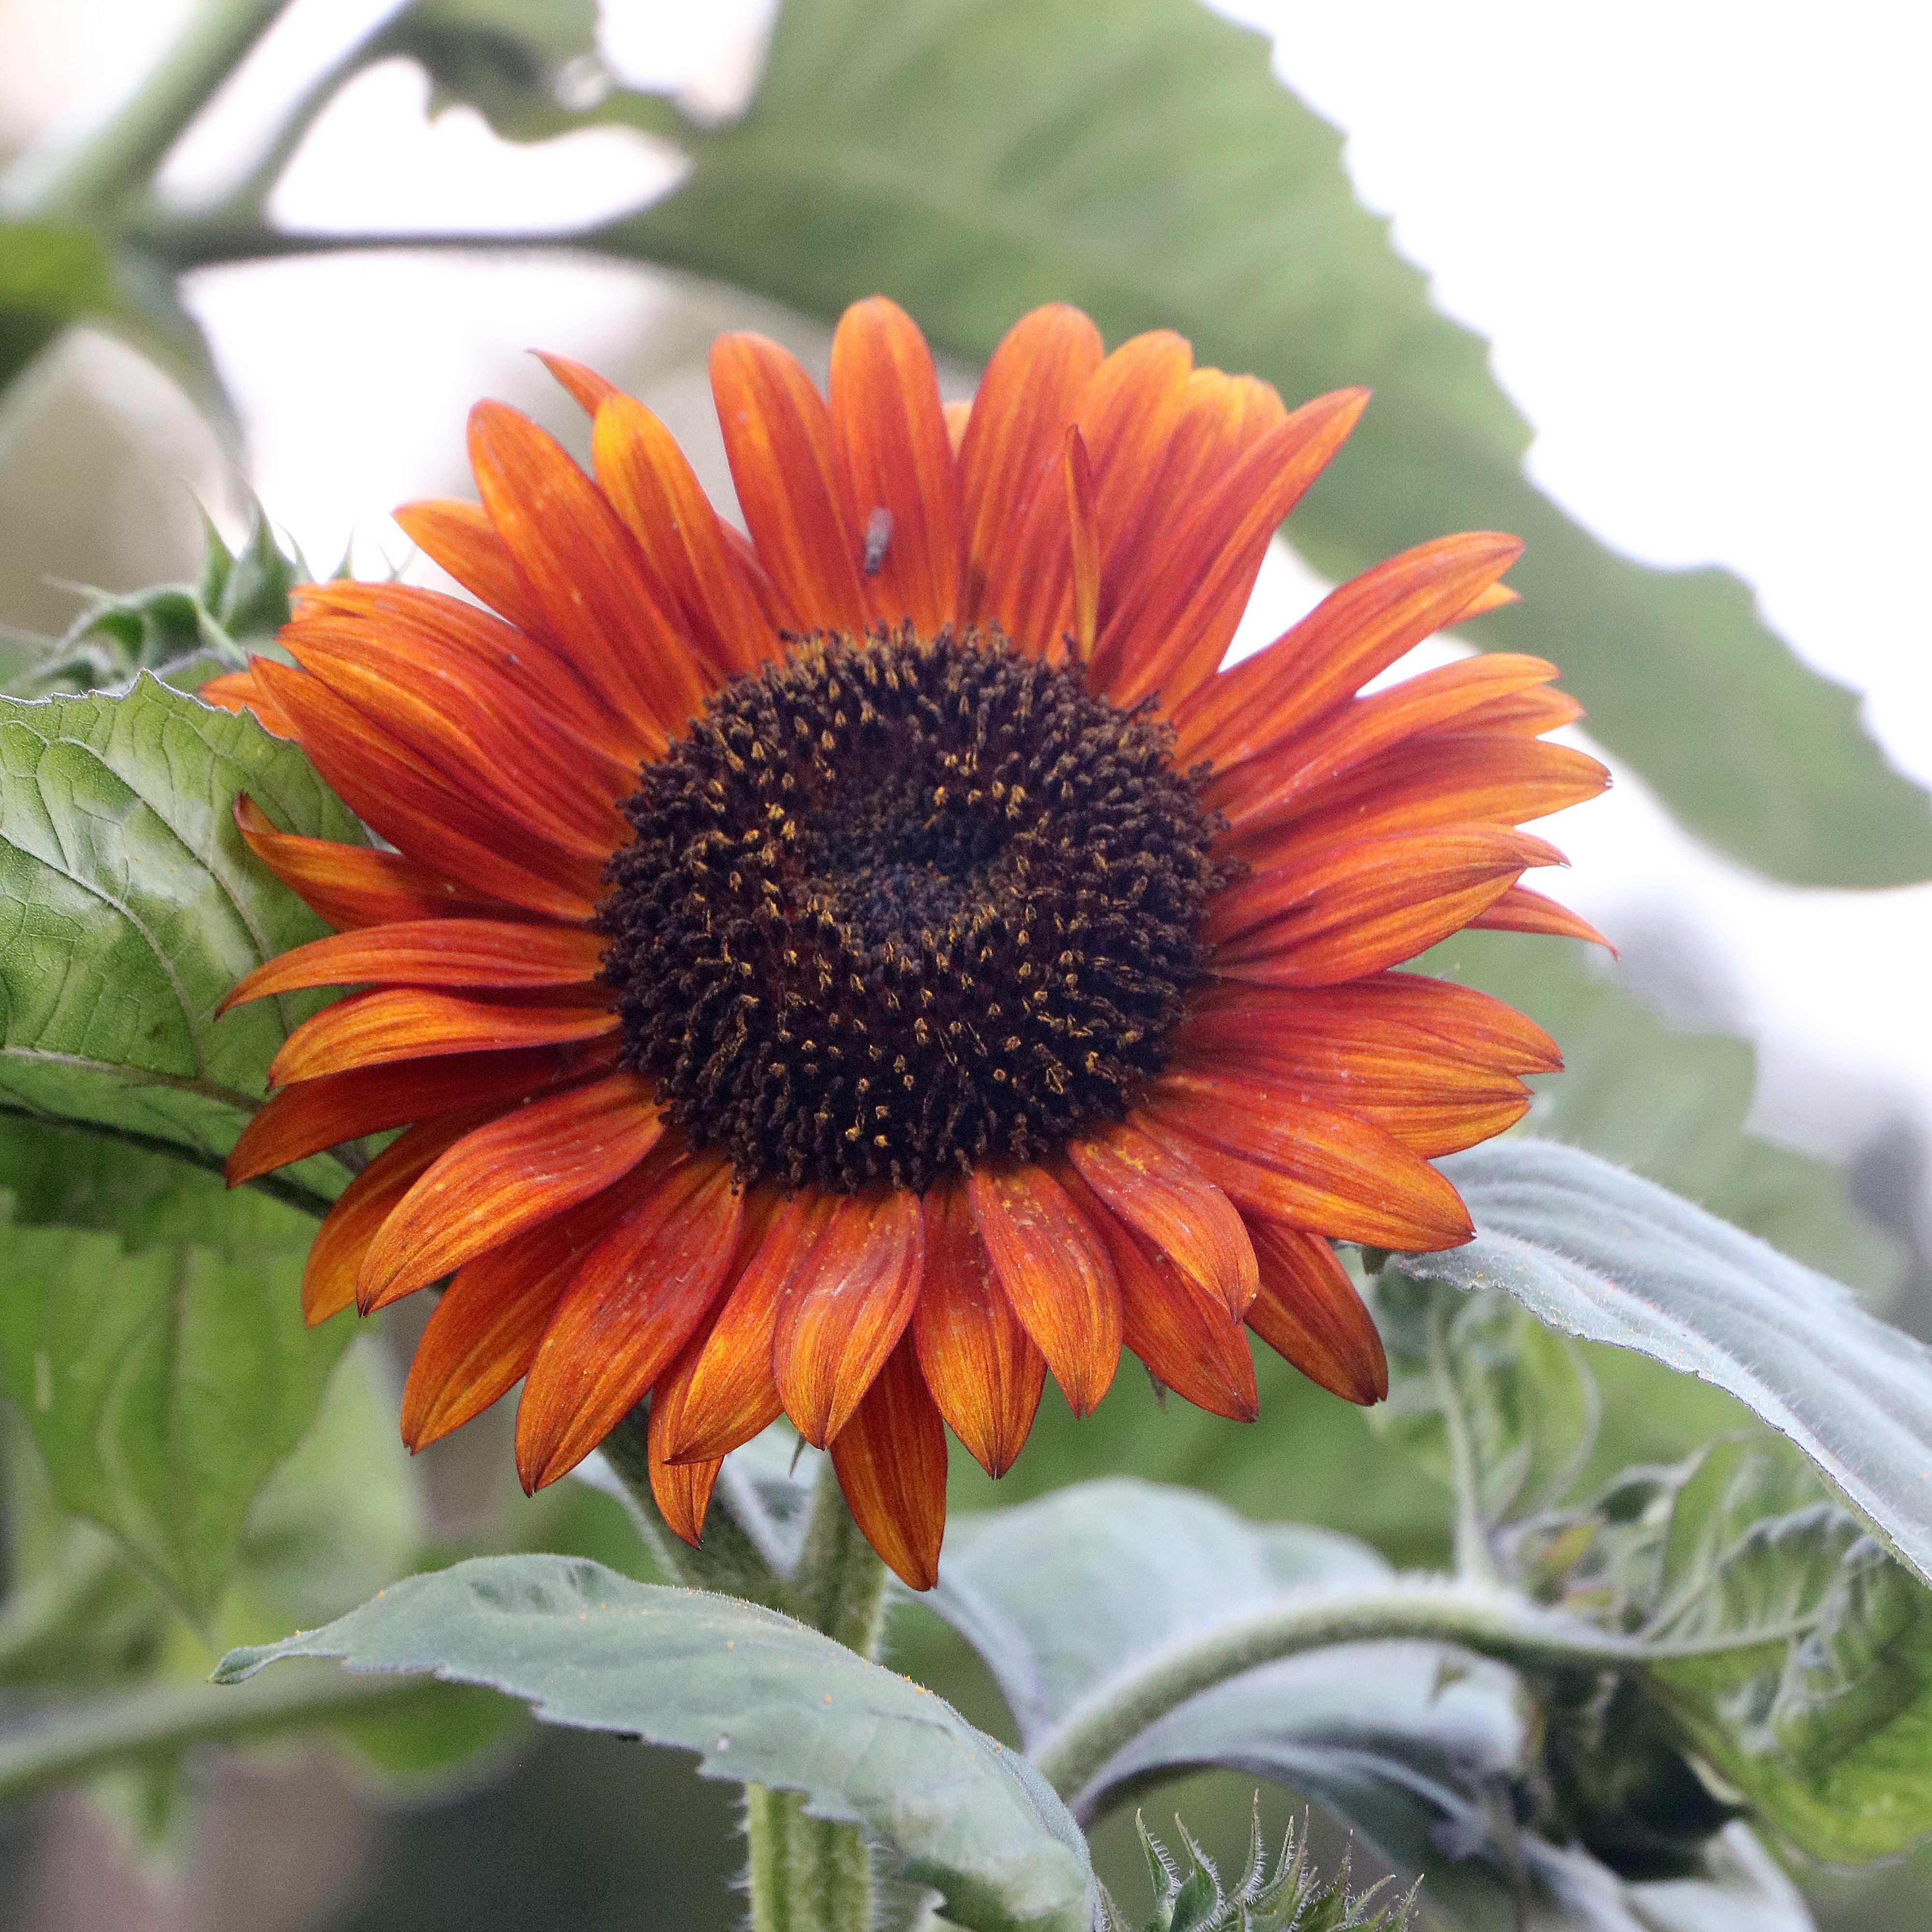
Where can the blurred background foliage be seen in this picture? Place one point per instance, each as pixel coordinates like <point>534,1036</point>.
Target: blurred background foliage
<point>971,157</point>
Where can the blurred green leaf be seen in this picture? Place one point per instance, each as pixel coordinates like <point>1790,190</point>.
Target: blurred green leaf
<point>974,157</point>
<point>129,906</point>
<point>763,1699</point>
<point>1594,1251</point>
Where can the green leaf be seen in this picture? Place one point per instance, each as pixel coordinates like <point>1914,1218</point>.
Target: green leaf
<point>974,157</point>
<point>162,1383</point>
<point>763,1699</point>
<point>129,906</point>
<point>1596,1252</point>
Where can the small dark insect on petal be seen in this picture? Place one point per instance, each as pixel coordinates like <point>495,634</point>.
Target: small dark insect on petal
<point>878,539</point>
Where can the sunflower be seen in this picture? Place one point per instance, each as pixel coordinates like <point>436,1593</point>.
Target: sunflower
<point>858,971</point>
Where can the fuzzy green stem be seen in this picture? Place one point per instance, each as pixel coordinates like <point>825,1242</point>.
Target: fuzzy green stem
<point>840,1585</point>
<point>121,155</point>
<point>804,1874</point>
<point>1490,1622</point>
<point>1473,1559</point>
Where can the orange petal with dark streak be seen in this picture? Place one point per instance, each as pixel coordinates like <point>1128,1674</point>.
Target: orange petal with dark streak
<point>1320,1168</point>
<point>522,1169</point>
<point>845,1307</point>
<point>351,886</point>
<point>501,954</point>
<point>312,1114</point>
<point>891,1462</point>
<point>335,1259</point>
<point>1173,1207</point>
<point>1309,1313</point>
<point>778,437</point>
<point>1056,1274</point>
<point>1186,1338</point>
<point>731,1394</point>
<point>1085,521</point>
<point>484,1332</point>
<point>415,1022</point>
<point>1353,633</point>
<point>653,487</point>
<point>979,1362</point>
<point>635,1301</point>
<point>895,457</point>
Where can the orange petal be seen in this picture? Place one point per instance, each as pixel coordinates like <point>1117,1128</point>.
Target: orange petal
<point>1084,518</point>
<point>983,1372</point>
<point>587,389</point>
<point>1187,1338</point>
<point>1495,597</point>
<point>328,1276</point>
<point>461,538</point>
<point>1320,1167</point>
<point>1010,462</point>
<point>731,1394</point>
<point>586,571</point>
<point>653,487</point>
<point>412,1022</point>
<point>1175,628</point>
<point>1308,1312</point>
<point>1055,1272</point>
<point>778,436</point>
<point>1173,1208</point>
<point>426,816</point>
<point>901,484</point>
<point>476,952</point>
<point>312,1114</point>
<point>483,1333</point>
<point>238,691</point>
<point>958,414</point>
<point>1524,714</point>
<point>1520,910</point>
<point>681,1490</point>
<point>1352,633</point>
<point>518,1171</point>
<point>891,1463</point>
<point>845,1307</point>
<point>636,1299</point>
<point>349,885</point>
<point>1354,909</point>
<point>1384,1013</point>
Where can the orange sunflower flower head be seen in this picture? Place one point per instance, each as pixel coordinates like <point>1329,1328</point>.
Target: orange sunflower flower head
<point>858,971</point>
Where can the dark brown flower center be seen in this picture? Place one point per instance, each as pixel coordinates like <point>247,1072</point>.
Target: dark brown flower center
<point>896,906</point>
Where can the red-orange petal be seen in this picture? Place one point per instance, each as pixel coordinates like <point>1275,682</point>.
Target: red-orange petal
<point>520,1170</point>
<point>313,1114</point>
<point>461,539</point>
<point>335,1259</point>
<point>415,1022</point>
<point>483,1334</point>
<point>1083,519</point>
<point>239,690</point>
<point>681,1490</point>
<point>587,389</point>
<point>978,1363</point>
<point>1353,633</point>
<point>1010,467</point>
<point>1186,1337</point>
<point>731,1394</point>
<point>636,1299</point>
<point>845,1307</point>
<point>352,886</point>
<point>1309,1313</point>
<point>502,954</point>
<point>891,1462</point>
<point>1175,627</point>
<point>1055,1272</point>
<point>902,485</point>
<point>653,487</point>
<point>1320,1167</point>
<point>1520,910</point>
<point>586,571</point>
<point>1173,1207</point>
<point>778,438</point>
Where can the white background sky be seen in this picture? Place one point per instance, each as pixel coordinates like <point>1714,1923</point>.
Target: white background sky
<point>1695,232</point>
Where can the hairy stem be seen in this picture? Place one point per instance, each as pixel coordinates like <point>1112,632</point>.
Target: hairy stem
<point>122,153</point>
<point>1473,1559</point>
<point>1490,1622</point>
<point>840,1586</point>
<point>804,1874</point>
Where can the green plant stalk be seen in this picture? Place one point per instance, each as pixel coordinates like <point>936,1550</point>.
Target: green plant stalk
<point>1488,1621</point>
<point>1473,1561</point>
<point>122,154</point>
<point>840,1584</point>
<point>804,1874</point>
